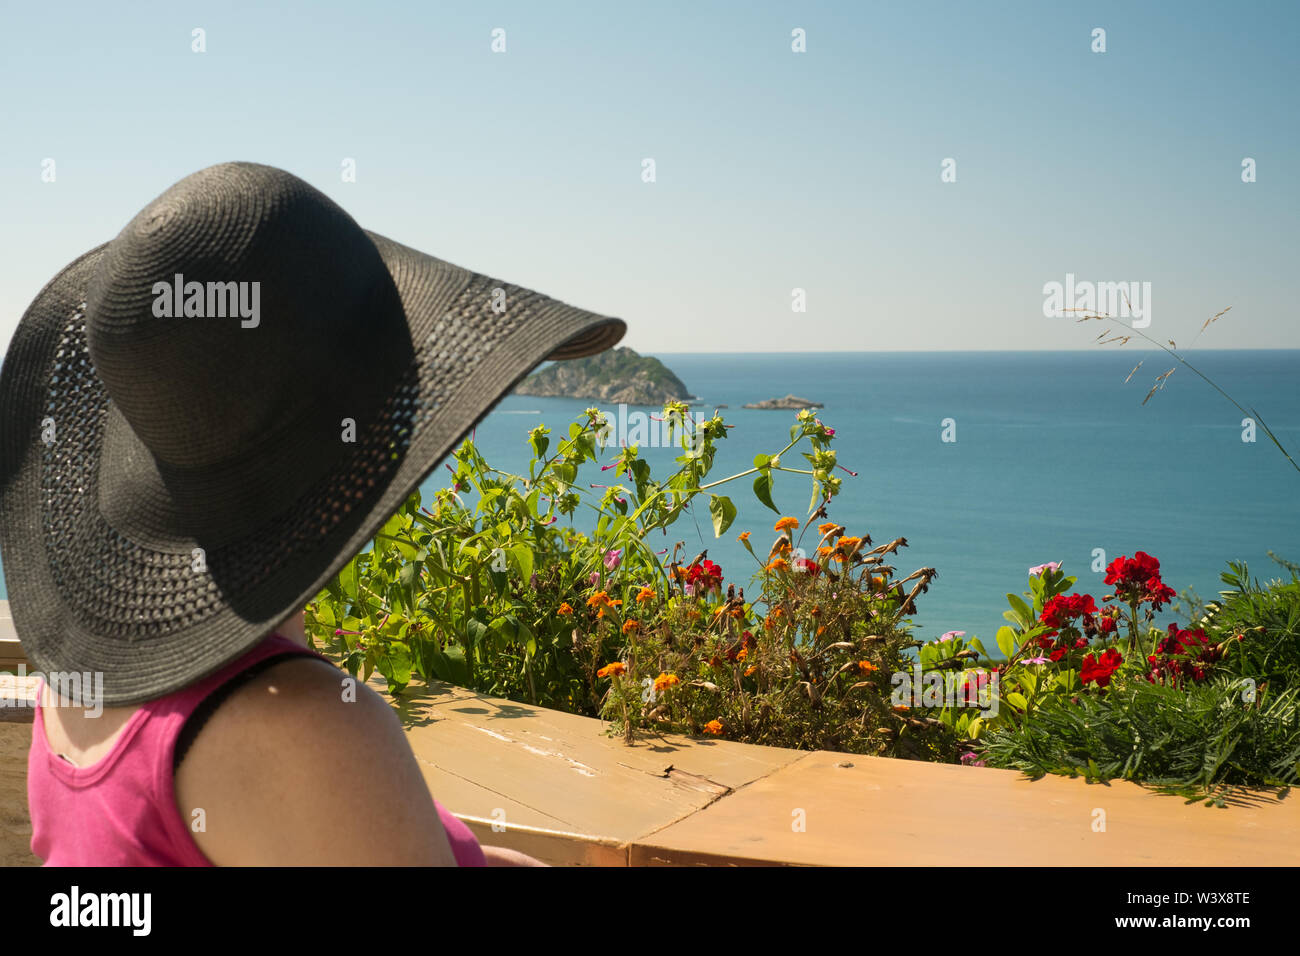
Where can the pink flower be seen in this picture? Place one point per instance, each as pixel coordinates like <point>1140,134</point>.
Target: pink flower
<point>1039,569</point>
<point>949,635</point>
<point>612,558</point>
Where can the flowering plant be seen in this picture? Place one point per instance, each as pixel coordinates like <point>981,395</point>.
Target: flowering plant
<point>491,584</point>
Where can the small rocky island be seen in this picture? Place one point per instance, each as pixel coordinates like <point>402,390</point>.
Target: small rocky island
<point>790,401</point>
<point>618,375</point>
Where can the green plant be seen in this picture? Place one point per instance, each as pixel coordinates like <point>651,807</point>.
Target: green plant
<point>811,670</point>
<point>485,595</point>
<point>1208,708</point>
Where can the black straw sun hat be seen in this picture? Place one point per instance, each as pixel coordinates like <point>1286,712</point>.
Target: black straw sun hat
<point>204,419</point>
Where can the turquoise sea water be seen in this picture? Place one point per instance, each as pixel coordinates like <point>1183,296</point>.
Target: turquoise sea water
<point>1055,456</point>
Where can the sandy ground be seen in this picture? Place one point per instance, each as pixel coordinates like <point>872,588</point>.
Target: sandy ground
<point>15,828</point>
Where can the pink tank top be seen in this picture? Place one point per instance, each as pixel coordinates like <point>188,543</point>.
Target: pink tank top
<point>122,810</point>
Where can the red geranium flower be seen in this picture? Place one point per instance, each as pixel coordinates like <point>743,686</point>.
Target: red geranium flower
<point>1100,670</point>
<point>1137,579</point>
<point>1185,654</point>
<point>1061,610</point>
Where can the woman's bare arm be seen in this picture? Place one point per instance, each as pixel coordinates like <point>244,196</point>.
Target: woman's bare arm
<point>287,772</point>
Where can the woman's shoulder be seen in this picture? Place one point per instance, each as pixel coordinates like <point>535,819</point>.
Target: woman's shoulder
<point>293,751</point>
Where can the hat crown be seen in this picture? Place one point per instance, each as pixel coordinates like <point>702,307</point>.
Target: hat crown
<point>224,311</point>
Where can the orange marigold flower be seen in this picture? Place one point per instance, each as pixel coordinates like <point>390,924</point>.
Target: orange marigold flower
<point>848,544</point>
<point>612,670</point>
<point>742,654</point>
<point>743,536</point>
<point>713,727</point>
<point>737,612</point>
<point>645,594</point>
<point>826,526</point>
<point>564,609</point>
<point>664,681</point>
<point>750,670</point>
<point>782,545</point>
<point>778,564</point>
<point>824,550</point>
<point>784,523</point>
<point>866,667</point>
<point>600,597</point>
<point>631,626</point>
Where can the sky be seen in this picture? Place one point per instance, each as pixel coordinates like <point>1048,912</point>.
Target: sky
<point>774,170</point>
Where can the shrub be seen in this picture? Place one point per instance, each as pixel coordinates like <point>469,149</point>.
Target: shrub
<point>1207,707</point>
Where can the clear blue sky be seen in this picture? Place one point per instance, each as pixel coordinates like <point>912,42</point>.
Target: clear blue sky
<point>775,170</point>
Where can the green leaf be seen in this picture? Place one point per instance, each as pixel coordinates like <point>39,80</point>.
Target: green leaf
<point>325,615</point>
<point>763,490</point>
<point>1028,680</point>
<point>1023,613</point>
<point>1006,641</point>
<point>395,664</point>
<point>347,580</point>
<point>723,512</point>
<point>523,561</point>
<point>450,666</point>
<point>476,631</point>
<point>1017,701</point>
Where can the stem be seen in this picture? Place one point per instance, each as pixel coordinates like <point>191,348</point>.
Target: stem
<point>1206,379</point>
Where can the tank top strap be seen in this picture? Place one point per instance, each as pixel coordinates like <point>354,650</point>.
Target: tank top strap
<point>178,717</point>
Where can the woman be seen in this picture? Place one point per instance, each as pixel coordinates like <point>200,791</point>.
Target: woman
<point>201,422</point>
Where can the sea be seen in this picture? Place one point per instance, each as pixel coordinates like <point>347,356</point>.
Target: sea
<point>989,463</point>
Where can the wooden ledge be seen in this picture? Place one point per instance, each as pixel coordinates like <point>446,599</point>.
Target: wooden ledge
<point>553,785</point>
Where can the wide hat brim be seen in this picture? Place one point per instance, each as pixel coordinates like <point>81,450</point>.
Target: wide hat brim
<point>92,597</point>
